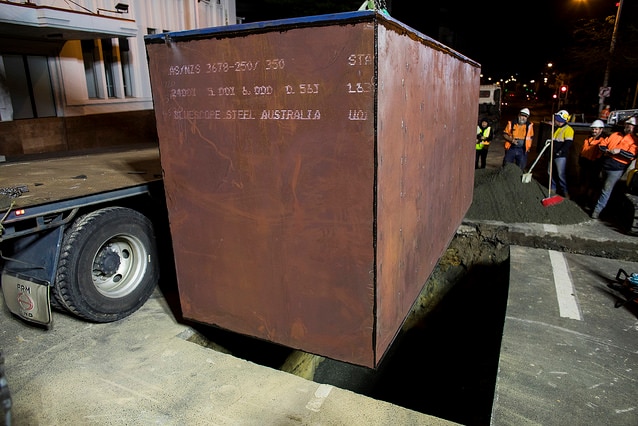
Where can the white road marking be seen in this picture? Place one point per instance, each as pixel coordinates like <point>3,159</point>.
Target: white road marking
<point>565,292</point>
<point>320,396</point>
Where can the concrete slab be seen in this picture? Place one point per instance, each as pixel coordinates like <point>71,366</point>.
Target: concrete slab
<point>141,370</point>
<point>568,355</point>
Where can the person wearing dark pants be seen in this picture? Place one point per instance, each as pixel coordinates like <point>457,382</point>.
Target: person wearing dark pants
<point>483,138</point>
<point>589,165</point>
<point>563,140</point>
<point>619,149</point>
<point>518,139</point>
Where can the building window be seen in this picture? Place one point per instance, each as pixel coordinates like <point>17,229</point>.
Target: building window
<point>90,55</point>
<point>28,80</point>
<point>107,67</point>
<point>110,62</point>
<point>125,61</point>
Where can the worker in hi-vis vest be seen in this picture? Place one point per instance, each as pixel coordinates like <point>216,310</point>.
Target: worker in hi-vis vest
<point>518,139</point>
<point>483,138</point>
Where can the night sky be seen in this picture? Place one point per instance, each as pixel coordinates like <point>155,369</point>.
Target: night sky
<point>505,37</point>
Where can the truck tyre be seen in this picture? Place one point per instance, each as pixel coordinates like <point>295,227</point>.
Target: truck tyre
<point>108,265</point>
<point>55,303</point>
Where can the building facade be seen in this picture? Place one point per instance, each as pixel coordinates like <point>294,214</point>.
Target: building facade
<point>64,59</point>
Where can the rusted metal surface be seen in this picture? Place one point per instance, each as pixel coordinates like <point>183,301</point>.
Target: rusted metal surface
<point>301,211</point>
<point>428,104</point>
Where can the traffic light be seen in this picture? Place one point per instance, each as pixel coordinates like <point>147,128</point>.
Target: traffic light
<point>562,92</point>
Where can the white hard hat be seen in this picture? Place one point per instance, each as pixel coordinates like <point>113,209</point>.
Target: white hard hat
<point>631,120</point>
<point>524,111</point>
<point>562,115</point>
<point>598,123</point>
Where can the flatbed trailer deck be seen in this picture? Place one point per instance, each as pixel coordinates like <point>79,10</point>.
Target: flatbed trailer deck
<point>63,178</point>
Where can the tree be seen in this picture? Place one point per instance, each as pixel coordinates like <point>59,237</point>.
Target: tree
<point>587,55</point>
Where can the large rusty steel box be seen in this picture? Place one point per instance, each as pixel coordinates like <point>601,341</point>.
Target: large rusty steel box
<point>315,170</point>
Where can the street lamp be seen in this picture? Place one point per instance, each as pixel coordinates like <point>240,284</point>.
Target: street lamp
<point>604,89</point>
<point>119,8</point>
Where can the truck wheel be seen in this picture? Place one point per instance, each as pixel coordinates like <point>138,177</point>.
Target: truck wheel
<point>108,265</point>
<point>55,303</point>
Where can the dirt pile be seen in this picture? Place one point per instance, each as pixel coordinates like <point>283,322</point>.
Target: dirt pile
<point>500,195</point>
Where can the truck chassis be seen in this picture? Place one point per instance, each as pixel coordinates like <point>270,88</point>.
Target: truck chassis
<point>77,234</point>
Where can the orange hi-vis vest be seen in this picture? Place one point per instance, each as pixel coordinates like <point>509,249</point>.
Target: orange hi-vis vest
<point>590,149</point>
<point>627,143</point>
<point>520,131</point>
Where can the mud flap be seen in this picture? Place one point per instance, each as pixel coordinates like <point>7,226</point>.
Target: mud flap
<point>27,297</point>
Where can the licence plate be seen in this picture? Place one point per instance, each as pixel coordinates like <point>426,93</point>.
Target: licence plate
<point>27,297</point>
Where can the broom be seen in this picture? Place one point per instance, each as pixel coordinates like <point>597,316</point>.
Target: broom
<point>551,199</point>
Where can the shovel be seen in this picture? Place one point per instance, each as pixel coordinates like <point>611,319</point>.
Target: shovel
<point>527,177</point>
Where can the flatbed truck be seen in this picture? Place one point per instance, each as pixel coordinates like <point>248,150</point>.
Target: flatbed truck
<point>301,172</point>
<point>76,233</point>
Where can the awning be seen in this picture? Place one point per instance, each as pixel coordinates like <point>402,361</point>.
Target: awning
<point>29,28</point>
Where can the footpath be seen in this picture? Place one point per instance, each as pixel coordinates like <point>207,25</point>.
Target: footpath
<point>568,354</point>
<point>568,351</point>
<point>142,370</point>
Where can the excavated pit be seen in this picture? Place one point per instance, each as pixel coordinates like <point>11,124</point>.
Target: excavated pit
<point>444,360</point>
